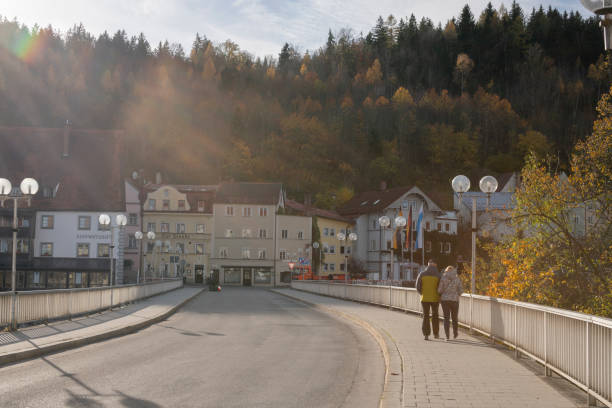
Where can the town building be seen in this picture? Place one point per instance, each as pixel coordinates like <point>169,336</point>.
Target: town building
<point>131,252</point>
<point>375,245</point>
<point>253,242</point>
<point>333,255</point>
<point>182,220</point>
<point>60,242</point>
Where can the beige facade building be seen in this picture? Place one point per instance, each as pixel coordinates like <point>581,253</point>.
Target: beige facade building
<point>252,243</point>
<point>181,217</point>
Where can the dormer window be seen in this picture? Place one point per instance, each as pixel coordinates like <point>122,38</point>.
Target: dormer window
<point>166,205</point>
<point>181,205</point>
<point>201,206</point>
<point>376,202</point>
<point>364,203</point>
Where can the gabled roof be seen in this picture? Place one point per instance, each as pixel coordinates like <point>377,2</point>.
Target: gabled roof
<point>372,201</point>
<point>87,179</point>
<point>193,193</point>
<point>313,211</point>
<point>250,193</point>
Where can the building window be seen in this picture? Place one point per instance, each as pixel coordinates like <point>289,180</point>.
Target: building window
<point>165,204</point>
<point>166,192</point>
<point>441,247</point>
<point>223,252</point>
<point>325,248</point>
<point>180,228</point>
<point>427,226</point>
<point>439,226</point>
<point>342,267</point>
<point>374,224</point>
<point>325,267</point>
<point>229,211</point>
<point>36,277</point>
<point>201,206</point>
<point>165,246</point>
<point>262,233</point>
<point>341,249</point>
<point>427,246</point>
<point>348,249</point>
<point>151,204</point>
<point>23,246</point>
<point>83,250</point>
<point>103,250</point>
<point>84,222</point>
<point>228,233</point>
<point>332,249</point>
<point>446,227</point>
<point>283,254</point>
<point>332,267</point>
<point>199,249</point>
<point>284,234</point>
<point>164,227</point>
<point>300,235</point>
<point>373,245</point>
<point>246,211</point>
<point>150,246</point>
<point>181,205</point>
<point>447,247</point>
<point>132,241</point>
<point>132,219</point>
<point>200,228</point>
<point>332,232</point>
<point>180,247</point>
<point>4,246</point>
<point>326,232</point>
<point>246,233</point>
<point>46,249</point>
<point>150,227</point>
<point>246,253</point>
<point>261,254</point>
<point>263,212</point>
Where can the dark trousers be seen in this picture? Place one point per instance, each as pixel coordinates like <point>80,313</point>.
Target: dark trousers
<point>450,308</point>
<point>435,321</point>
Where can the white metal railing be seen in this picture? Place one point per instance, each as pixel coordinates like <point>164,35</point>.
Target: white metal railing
<point>574,345</point>
<point>44,305</point>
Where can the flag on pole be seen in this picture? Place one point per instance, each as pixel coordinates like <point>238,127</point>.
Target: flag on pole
<point>407,243</point>
<point>397,235</point>
<point>419,227</point>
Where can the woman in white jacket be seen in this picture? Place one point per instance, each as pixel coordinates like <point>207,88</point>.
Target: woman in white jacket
<point>450,290</point>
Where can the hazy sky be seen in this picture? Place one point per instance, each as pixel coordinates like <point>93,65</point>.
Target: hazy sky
<point>258,26</point>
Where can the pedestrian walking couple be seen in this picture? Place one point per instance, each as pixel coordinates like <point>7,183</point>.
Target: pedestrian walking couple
<point>434,288</point>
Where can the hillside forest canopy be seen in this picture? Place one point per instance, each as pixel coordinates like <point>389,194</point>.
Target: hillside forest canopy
<point>409,102</point>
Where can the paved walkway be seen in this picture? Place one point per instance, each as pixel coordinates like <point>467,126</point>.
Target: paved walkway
<point>38,340</point>
<point>467,372</point>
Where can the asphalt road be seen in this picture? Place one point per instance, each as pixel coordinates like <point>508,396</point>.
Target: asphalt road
<point>241,347</point>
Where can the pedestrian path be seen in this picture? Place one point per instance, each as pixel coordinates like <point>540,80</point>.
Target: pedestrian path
<point>467,372</point>
<point>42,339</point>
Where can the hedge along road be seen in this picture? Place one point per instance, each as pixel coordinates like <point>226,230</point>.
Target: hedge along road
<point>237,348</point>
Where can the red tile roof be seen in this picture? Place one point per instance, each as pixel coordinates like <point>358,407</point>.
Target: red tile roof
<point>88,179</point>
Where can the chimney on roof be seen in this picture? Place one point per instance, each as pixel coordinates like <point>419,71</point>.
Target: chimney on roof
<point>383,185</point>
<point>66,151</point>
<point>158,177</point>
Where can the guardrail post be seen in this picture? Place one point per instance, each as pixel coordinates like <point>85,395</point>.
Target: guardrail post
<point>547,371</point>
<point>471,312</point>
<point>13,312</point>
<point>389,295</point>
<point>516,351</point>
<point>591,401</point>
<point>70,305</point>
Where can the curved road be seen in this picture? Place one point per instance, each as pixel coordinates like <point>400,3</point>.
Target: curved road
<point>242,347</point>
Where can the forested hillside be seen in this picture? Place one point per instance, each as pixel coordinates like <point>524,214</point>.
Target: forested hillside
<point>410,102</point>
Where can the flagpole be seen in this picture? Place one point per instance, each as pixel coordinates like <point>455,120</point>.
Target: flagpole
<point>411,244</point>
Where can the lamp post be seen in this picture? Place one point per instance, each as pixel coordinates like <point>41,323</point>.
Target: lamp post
<point>602,8</point>
<point>139,177</point>
<point>488,185</point>
<point>348,238</point>
<point>121,221</point>
<point>316,245</point>
<point>385,222</point>
<point>28,188</point>
<point>139,237</point>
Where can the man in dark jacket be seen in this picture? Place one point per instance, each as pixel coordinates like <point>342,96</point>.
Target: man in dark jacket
<point>427,286</point>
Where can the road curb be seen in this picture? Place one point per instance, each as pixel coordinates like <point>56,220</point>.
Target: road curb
<point>387,397</point>
<point>74,343</point>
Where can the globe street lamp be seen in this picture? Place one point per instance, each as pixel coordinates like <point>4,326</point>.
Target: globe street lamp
<point>348,238</point>
<point>139,237</point>
<point>121,221</point>
<point>28,188</point>
<point>488,185</point>
<point>602,8</point>
<point>316,245</point>
<point>385,222</point>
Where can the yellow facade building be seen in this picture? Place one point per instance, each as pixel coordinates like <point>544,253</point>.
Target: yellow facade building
<point>182,220</point>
